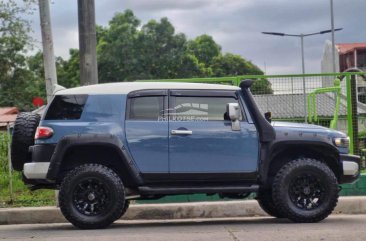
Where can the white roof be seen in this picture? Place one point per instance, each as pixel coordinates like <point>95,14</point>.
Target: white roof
<point>127,87</point>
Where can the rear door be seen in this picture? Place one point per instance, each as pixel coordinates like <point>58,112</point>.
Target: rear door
<point>201,139</point>
<point>147,130</point>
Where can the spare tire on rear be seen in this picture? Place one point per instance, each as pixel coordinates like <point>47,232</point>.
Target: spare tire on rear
<point>25,127</point>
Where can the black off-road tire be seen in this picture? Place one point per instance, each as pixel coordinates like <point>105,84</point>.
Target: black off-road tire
<point>99,180</point>
<point>25,127</point>
<point>265,201</point>
<point>125,207</point>
<point>305,190</point>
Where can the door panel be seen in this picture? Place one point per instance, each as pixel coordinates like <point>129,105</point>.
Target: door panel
<point>148,144</point>
<point>213,147</point>
<point>147,132</point>
<point>201,139</point>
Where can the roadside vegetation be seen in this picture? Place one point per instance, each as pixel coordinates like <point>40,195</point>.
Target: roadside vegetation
<point>21,196</point>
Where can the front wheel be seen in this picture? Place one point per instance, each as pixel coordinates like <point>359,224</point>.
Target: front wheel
<point>265,201</point>
<point>305,190</point>
<point>92,196</point>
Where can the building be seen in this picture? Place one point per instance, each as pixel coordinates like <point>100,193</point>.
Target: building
<point>352,55</point>
<point>348,56</point>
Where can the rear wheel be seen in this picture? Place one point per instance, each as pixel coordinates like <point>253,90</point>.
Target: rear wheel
<point>265,201</point>
<point>305,190</point>
<point>92,196</point>
<point>25,127</point>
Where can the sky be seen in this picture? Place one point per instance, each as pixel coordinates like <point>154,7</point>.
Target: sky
<point>236,25</point>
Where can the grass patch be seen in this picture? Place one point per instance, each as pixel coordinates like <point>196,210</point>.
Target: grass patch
<point>22,196</point>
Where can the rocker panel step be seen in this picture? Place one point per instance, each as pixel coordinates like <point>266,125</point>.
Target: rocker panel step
<point>191,190</point>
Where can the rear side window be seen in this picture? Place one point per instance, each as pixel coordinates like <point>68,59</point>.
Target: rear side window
<point>66,107</point>
<point>145,108</point>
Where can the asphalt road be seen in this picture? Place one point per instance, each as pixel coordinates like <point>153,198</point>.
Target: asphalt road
<point>336,227</point>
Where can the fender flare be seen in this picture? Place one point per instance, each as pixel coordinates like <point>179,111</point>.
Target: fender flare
<point>107,140</point>
<point>270,151</point>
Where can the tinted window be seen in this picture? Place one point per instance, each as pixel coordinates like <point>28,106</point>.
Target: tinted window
<point>201,108</point>
<point>66,107</point>
<point>107,108</point>
<point>146,108</point>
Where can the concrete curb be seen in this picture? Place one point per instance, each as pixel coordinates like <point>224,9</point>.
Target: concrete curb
<point>247,208</point>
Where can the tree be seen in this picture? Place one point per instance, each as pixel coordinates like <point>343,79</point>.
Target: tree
<point>21,90</point>
<point>18,84</point>
<point>160,50</point>
<point>261,87</point>
<point>232,65</point>
<point>190,67</point>
<point>204,48</point>
<point>68,71</point>
<point>130,51</point>
<point>13,38</point>
<point>116,48</point>
<point>127,51</point>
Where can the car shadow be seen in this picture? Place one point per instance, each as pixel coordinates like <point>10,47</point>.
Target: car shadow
<point>136,224</point>
<point>143,224</point>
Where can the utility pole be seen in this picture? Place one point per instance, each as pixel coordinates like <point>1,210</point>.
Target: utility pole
<point>48,52</point>
<point>303,76</point>
<point>333,43</point>
<point>87,42</point>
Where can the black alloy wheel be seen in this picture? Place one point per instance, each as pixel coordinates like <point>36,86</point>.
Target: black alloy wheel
<point>305,190</point>
<point>92,196</point>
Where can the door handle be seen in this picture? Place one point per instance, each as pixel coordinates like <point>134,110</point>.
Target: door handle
<point>181,132</point>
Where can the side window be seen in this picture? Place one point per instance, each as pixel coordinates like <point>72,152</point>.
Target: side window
<point>201,108</point>
<point>145,108</point>
<point>66,107</point>
<point>104,108</point>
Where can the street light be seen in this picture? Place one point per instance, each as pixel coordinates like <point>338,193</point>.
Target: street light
<point>301,36</point>
<point>302,40</point>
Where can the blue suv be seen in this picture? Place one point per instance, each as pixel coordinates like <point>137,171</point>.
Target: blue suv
<point>104,145</point>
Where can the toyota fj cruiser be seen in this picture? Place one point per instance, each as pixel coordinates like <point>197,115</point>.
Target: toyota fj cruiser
<point>104,145</point>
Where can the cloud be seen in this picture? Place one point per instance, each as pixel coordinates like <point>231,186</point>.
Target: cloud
<point>235,24</point>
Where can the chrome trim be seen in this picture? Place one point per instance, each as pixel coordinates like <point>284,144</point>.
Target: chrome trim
<point>181,132</point>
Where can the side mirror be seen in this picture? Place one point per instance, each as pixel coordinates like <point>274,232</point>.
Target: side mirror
<point>268,116</point>
<point>233,111</point>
